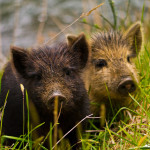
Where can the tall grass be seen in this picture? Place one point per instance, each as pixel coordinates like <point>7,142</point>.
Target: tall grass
<point>133,135</point>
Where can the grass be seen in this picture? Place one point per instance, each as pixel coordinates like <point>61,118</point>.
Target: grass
<point>132,135</point>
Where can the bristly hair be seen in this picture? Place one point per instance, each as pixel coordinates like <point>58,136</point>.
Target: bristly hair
<point>55,56</point>
<point>108,40</point>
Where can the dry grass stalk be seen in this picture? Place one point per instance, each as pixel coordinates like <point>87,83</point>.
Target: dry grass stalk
<point>35,120</point>
<point>55,121</point>
<point>102,115</point>
<point>81,16</point>
<point>111,136</point>
<point>42,19</point>
<point>96,17</point>
<point>93,131</point>
<point>142,139</point>
<point>71,130</point>
<point>85,3</point>
<point>16,21</point>
<point>22,90</point>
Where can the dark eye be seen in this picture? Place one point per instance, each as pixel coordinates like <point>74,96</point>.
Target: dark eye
<point>68,71</point>
<point>37,77</point>
<point>128,59</point>
<point>100,63</point>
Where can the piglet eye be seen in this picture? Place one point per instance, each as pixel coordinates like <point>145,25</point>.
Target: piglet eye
<point>34,75</point>
<point>100,63</point>
<point>38,77</point>
<point>128,59</point>
<point>67,71</point>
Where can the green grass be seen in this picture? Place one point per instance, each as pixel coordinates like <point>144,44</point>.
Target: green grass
<point>132,135</point>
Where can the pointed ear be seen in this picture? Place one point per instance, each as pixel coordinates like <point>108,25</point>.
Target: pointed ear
<point>71,38</point>
<point>79,45</point>
<point>134,36</point>
<point>20,60</point>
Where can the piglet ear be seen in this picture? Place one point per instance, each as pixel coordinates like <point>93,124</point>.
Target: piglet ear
<point>134,37</point>
<point>20,58</point>
<point>80,46</point>
<point>71,39</point>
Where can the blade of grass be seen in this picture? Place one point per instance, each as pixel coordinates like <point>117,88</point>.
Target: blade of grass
<point>1,75</point>
<point>105,19</point>
<point>142,17</point>
<point>22,89</point>
<point>50,136</point>
<point>55,120</point>
<point>127,11</point>
<point>127,134</point>
<point>107,128</point>
<point>142,139</point>
<point>124,138</point>
<point>137,103</point>
<point>109,99</point>
<point>104,140</point>
<point>123,108</point>
<point>3,112</point>
<point>28,119</point>
<point>111,3</point>
<point>147,52</point>
<point>71,130</point>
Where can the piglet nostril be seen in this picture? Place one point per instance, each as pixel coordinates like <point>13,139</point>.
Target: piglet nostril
<point>126,86</point>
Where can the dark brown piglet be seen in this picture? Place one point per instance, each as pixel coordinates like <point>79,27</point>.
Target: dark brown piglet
<point>46,73</point>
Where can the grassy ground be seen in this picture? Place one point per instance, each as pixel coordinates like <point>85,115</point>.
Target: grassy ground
<point>133,134</point>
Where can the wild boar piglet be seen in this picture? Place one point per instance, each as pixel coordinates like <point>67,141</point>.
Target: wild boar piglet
<point>46,73</point>
<point>111,74</point>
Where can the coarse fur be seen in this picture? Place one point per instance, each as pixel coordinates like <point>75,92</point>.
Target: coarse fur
<point>43,72</point>
<point>110,64</point>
